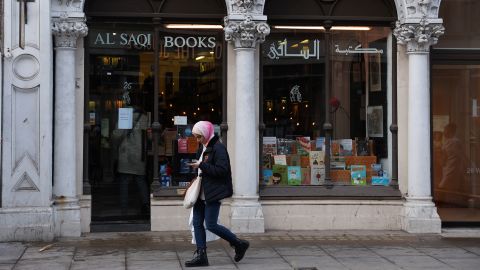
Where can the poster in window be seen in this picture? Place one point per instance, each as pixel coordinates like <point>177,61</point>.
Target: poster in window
<point>375,121</point>
<point>375,73</point>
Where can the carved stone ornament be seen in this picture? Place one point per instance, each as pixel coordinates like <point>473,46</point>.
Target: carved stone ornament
<point>418,36</point>
<point>67,32</point>
<point>247,6</point>
<point>246,33</point>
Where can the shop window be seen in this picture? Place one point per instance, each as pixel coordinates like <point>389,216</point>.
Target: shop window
<point>293,143</point>
<point>456,141</point>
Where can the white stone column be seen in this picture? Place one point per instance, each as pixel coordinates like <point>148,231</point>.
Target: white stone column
<point>420,214</point>
<point>67,209</point>
<point>245,33</point>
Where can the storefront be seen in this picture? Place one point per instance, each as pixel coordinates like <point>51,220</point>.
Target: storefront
<point>314,100</point>
<point>455,116</point>
<point>294,110</point>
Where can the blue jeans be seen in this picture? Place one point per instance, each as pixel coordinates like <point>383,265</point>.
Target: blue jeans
<point>208,212</point>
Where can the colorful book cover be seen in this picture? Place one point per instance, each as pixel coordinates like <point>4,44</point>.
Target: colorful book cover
<point>320,144</point>
<point>317,175</point>
<point>361,145</point>
<point>346,147</point>
<point>270,145</point>
<point>305,161</point>
<point>316,158</point>
<point>335,148</point>
<point>358,174</point>
<point>192,145</point>
<point>293,160</point>
<point>267,176</point>
<point>279,176</point>
<point>380,181</point>
<point>294,177</point>
<point>182,146</point>
<point>280,159</point>
<point>337,163</point>
<point>303,145</point>
<point>267,161</point>
<point>306,176</point>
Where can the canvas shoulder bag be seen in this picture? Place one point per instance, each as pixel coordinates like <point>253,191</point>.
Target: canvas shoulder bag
<point>192,193</point>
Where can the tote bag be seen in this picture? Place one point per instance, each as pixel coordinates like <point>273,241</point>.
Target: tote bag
<point>192,192</point>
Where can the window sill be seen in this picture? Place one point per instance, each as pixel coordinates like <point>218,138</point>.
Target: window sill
<point>340,192</point>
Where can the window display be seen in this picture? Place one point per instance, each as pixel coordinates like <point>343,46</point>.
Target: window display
<point>293,143</point>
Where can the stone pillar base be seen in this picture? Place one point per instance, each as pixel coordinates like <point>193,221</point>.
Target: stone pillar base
<point>26,224</point>
<point>247,216</point>
<point>67,217</point>
<point>86,212</point>
<point>420,216</point>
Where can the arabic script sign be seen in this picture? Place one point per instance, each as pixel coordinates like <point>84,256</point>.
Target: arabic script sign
<point>357,49</point>
<point>304,49</point>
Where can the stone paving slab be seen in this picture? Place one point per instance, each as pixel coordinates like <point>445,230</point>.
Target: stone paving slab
<point>272,250</point>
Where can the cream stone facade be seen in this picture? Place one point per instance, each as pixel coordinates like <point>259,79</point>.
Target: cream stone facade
<point>42,129</point>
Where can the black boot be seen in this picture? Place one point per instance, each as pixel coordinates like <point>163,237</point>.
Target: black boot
<point>199,260</point>
<point>241,247</point>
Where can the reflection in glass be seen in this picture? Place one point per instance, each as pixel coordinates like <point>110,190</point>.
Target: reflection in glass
<point>456,141</point>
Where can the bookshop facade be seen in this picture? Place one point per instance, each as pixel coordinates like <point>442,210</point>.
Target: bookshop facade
<point>326,119</point>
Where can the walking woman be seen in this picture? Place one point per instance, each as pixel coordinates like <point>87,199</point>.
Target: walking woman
<point>214,167</point>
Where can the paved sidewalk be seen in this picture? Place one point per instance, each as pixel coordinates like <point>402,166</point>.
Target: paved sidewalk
<point>273,250</point>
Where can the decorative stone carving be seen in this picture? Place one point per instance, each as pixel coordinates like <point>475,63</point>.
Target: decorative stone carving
<point>25,183</point>
<point>73,7</point>
<point>420,8</point>
<point>72,3</point>
<point>247,6</point>
<point>246,33</point>
<point>67,32</point>
<point>26,67</point>
<point>418,36</point>
<point>408,9</point>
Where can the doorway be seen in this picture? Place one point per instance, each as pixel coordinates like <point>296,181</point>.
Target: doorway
<point>124,101</point>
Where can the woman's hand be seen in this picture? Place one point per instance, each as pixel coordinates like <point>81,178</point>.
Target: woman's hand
<point>194,165</point>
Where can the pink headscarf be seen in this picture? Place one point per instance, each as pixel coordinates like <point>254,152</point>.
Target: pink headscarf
<point>204,128</point>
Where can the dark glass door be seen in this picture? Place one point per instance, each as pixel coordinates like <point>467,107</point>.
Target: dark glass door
<point>121,110</point>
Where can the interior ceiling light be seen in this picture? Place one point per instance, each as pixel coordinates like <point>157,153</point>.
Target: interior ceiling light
<point>305,27</point>
<point>193,26</point>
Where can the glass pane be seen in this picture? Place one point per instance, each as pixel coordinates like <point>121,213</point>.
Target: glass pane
<point>293,94</point>
<point>121,112</point>
<point>359,107</point>
<point>117,149</point>
<point>456,141</point>
<point>293,63</point>
<point>460,18</point>
<point>190,75</point>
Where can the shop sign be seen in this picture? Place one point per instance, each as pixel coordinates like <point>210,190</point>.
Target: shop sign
<point>144,40</point>
<point>302,49</point>
<point>357,49</point>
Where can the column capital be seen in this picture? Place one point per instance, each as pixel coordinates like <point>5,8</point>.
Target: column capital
<point>67,31</point>
<point>245,33</point>
<point>418,36</point>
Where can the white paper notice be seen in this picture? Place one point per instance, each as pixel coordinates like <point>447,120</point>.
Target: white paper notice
<point>125,118</point>
<point>180,120</point>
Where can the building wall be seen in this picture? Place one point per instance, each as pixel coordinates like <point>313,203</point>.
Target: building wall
<point>26,211</point>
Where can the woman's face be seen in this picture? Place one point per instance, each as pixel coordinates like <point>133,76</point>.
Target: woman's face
<point>200,138</point>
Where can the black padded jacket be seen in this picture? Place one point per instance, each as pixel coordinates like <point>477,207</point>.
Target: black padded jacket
<point>216,171</point>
